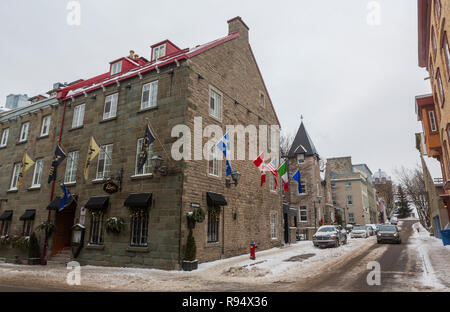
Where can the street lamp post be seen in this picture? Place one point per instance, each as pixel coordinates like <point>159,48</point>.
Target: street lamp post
<point>319,198</point>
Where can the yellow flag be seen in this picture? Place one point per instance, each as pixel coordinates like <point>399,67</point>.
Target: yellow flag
<point>27,163</point>
<point>93,151</point>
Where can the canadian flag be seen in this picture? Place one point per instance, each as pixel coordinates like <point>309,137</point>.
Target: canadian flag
<point>259,162</point>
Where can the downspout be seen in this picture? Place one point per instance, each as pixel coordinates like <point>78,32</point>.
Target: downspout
<point>43,260</point>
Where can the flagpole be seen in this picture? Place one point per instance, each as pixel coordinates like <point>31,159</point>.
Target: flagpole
<point>157,137</point>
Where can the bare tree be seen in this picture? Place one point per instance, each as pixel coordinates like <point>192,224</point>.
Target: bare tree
<point>286,140</point>
<point>414,185</point>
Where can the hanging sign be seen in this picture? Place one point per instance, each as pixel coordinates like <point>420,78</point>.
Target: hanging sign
<point>110,187</point>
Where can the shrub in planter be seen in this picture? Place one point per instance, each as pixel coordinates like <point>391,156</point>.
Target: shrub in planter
<point>5,240</point>
<point>114,225</point>
<point>190,263</point>
<point>33,250</point>
<point>47,227</point>
<point>20,242</point>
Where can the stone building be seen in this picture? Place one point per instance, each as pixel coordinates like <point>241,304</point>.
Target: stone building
<point>314,202</point>
<point>352,190</point>
<point>434,55</point>
<point>384,188</point>
<point>215,84</point>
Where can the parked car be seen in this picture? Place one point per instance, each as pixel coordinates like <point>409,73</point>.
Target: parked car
<point>394,220</point>
<point>377,228</point>
<point>349,228</point>
<point>372,229</point>
<point>329,235</point>
<point>360,231</point>
<point>388,233</point>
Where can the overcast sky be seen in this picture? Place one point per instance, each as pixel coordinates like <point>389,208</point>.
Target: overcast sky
<point>353,82</point>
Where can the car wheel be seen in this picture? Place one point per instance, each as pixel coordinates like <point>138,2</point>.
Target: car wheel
<point>336,244</point>
<point>379,242</point>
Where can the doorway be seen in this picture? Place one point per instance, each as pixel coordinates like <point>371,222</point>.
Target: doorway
<point>286,228</point>
<point>437,227</point>
<point>63,232</point>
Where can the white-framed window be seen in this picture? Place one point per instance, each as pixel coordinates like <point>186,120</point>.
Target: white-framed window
<point>348,185</point>
<point>303,184</point>
<point>213,227</point>
<point>303,214</point>
<point>272,182</point>
<point>149,95</point>
<point>110,106</point>
<point>446,54</point>
<point>432,121</point>
<point>78,115</point>
<point>262,99</point>
<point>148,165</point>
<point>351,217</point>
<point>433,39</point>
<point>4,228</point>
<point>215,104</point>
<point>214,162</point>
<point>159,51</point>
<point>45,130</point>
<point>440,87</point>
<point>5,136</point>
<point>273,225</point>
<point>104,162</point>
<point>71,167</point>
<point>37,175</point>
<point>15,176</point>
<point>27,227</point>
<point>349,200</point>
<point>24,132</point>
<point>300,158</point>
<point>116,68</point>
<point>139,228</point>
<point>437,6</point>
<point>96,231</point>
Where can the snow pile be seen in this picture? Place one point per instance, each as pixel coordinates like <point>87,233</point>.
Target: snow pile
<point>434,258</point>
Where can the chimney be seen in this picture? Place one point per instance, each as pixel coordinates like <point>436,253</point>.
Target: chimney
<point>237,25</point>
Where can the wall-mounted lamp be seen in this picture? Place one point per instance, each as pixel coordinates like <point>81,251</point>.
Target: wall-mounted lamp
<point>156,163</point>
<point>236,175</point>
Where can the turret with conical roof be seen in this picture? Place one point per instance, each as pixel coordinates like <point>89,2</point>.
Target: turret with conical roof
<point>302,144</point>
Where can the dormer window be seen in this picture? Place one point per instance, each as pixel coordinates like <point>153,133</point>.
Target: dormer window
<point>300,158</point>
<point>116,68</point>
<point>159,51</point>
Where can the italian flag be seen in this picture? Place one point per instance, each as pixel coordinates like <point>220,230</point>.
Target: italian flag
<point>282,171</point>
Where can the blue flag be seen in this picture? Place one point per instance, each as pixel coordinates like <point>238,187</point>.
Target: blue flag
<point>65,198</point>
<point>224,146</point>
<point>143,155</point>
<point>296,177</point>
<point>57,160</point>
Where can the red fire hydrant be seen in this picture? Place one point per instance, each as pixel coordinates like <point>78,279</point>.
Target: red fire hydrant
<point>253,250</point>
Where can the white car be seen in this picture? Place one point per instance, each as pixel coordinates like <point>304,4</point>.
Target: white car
<point>394,220</point>
<point>374,228</point>
<point>359,231</point>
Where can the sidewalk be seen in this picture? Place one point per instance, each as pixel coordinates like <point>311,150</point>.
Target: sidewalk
<point>277,265</point>
<point>435,258</point>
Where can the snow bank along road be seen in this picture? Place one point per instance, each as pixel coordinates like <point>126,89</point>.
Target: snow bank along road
<point>299,267</point>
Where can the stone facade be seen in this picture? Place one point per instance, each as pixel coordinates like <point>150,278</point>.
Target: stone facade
<point>434,55</point>
<point>351,190</point>
<point>252,213</point>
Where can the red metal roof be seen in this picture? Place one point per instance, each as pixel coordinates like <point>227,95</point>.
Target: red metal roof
<point>106,79</point>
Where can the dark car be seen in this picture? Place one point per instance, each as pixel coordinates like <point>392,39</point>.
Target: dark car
<point>388,233</point>
<point>329,235</point>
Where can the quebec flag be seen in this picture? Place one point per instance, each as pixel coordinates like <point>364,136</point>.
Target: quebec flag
<point>224,146</point>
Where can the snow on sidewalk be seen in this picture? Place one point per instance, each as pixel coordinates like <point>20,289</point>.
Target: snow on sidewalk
<point>304,260</point>
<point>435,258</point>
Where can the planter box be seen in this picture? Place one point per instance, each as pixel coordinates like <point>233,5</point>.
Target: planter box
<point>34,261</point>
<point>189,265</point>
